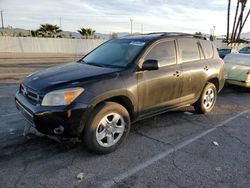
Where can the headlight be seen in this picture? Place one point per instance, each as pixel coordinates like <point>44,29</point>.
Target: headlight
<point>61,97</point>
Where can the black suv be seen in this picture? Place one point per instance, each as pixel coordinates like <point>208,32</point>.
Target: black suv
<point>119,82</point>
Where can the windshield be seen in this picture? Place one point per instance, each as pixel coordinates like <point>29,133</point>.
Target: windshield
<point>116,53</point>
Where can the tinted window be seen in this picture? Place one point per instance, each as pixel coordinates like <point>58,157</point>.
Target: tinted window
<point>207,48</point>
<point>116,53</point>
<point>245,50</point>
<point>225,50</point>
<point>189,50</point>
<point>164,52</point>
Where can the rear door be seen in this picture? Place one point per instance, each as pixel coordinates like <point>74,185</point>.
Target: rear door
<point>194,68</point>
<point>160,89</point>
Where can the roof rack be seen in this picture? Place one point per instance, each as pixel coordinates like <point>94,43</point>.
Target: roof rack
<point>176,34</point>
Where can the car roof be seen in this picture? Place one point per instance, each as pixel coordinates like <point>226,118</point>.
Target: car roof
<point>159,35</point>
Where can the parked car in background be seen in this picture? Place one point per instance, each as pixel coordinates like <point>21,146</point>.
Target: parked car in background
<point>224,51</point>
<point>237,69</point>
<point>119,82</point>
<point>245,50</point>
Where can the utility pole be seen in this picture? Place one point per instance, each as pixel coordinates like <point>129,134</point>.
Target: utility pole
<point>2,19</point>
<point>60,23</point>
<point>131,26</point>
<point>228,19</point>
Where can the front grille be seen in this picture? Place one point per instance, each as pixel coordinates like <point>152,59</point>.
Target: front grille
<point>26,113</point>
<point>31,95</point>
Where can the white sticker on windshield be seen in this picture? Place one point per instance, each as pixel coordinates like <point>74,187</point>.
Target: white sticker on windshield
<point>137,43</point>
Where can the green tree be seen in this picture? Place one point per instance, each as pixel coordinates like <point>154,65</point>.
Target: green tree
<point>34,33</point>
<point>114,35</point>
<point>86,32</point>
<point>198,35</point>
<point>48,30</point>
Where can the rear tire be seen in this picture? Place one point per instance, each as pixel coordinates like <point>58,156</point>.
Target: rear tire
<point>207,100</point>
<point>107,128</point>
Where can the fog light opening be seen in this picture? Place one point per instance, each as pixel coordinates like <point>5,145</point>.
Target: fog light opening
<point>59,130</point>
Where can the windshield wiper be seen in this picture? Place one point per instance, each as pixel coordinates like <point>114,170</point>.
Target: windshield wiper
<point>101,65</point>
<point>95,64</point>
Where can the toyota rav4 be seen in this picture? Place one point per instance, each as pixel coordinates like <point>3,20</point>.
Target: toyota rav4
<point>122,81</point>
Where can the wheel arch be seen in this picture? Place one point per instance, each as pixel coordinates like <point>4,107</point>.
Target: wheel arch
<point>215,81</point>
<point>122,100</point>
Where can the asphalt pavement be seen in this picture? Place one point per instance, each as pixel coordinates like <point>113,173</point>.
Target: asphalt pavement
<point>175,149</point>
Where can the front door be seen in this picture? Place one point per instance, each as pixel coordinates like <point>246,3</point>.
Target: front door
<point>160,89</point>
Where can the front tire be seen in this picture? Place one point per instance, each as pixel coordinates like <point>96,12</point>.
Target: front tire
<point>207,99</point>
<point>107,128</point>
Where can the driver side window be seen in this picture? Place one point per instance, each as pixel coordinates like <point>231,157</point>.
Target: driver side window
<point>164,53</point>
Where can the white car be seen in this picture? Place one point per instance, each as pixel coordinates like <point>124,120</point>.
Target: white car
<point>237,69</point>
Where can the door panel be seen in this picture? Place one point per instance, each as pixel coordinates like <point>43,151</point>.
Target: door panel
<point>194,79</point>
<point>193,67</point>
<point>160,89</point>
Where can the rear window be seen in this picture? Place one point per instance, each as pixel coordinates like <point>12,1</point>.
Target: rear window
<point>225,50</point>
<point>189,50</point>
<point>245,50</point>
<point>207,48</point>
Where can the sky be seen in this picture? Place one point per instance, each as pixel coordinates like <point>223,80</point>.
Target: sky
<point>114,15</point>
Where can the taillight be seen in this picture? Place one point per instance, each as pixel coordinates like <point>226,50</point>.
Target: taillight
<point>221,61</point>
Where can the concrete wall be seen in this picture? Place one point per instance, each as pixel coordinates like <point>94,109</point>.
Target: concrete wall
<point>47,45</point>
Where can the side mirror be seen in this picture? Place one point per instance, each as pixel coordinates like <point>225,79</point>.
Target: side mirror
<point>150,64</point>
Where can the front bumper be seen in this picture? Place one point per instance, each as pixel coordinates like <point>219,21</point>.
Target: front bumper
<point>67,121</point>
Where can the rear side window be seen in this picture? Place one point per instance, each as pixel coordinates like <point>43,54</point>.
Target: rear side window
<point>189,50</point>
<point>164,53</point>
<point>207,48</point>
<point>246,49</point>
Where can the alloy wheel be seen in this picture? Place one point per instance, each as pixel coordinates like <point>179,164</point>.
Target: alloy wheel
<point>209,98</point>
<point>110,129</point>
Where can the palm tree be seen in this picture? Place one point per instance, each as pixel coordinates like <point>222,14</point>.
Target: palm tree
<point>236,14</point>
<point>113,35</point>
<point>48,30</point>
<point>86,32</point>
<point>241,23</point>
<point>34,33</point>
<point>239,20</point>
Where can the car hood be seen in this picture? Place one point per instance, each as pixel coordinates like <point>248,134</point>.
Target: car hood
<point>65,74</point>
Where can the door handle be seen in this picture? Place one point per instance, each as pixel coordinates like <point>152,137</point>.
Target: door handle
<point>177,73</point>
<point>206,68</point>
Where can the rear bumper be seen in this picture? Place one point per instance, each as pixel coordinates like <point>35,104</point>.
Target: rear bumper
<point>67,121</point>
<point>238,83</point>
<point>222,83</point>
